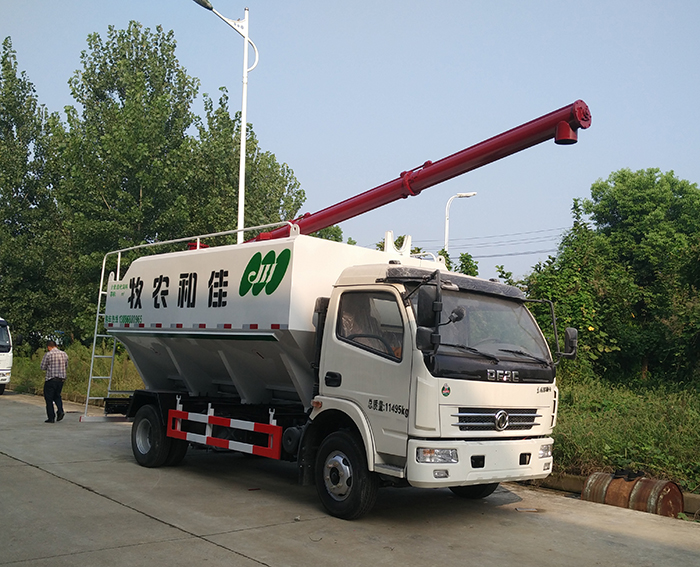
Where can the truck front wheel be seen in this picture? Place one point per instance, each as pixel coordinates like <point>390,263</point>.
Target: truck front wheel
<point>345,485</point>
<point>475,491</point>
<point>149,442</point>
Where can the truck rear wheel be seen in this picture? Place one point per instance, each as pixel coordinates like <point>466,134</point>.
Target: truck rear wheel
<point>475,491</point>
<point>149,442</point>
<point>345,485</point>
<point>178,450</point>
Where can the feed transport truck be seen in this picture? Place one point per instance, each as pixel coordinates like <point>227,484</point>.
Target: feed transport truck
<point>5,355</point>
<point>366,368</point>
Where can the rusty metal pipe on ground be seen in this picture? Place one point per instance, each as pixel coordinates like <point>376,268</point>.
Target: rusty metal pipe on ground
<point>637,493</point>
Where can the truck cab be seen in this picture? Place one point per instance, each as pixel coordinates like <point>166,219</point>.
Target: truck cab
<point>448,378</point>
<point>5,355</point>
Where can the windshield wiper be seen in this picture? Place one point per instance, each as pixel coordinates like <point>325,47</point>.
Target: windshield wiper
<point>523,353</point>
<point>473,351</point>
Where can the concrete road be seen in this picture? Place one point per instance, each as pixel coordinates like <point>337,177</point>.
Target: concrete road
<point>71,494</point>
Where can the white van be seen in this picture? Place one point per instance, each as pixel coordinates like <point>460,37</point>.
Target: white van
<point>5,354</point>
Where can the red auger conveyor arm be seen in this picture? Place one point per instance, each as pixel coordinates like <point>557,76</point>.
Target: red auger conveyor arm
<point>562,125</point>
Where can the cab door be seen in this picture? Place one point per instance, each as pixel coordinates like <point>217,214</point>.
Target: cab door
<point>366,359</point>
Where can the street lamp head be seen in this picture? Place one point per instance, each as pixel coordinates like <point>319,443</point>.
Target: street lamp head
<point>447,214</point>
<point>205,4</point>
<point>241,27</point>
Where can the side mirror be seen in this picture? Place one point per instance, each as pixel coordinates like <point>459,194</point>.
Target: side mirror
<point>570,343</point>
<point>428,306</point>
<point>458,313</point>
<point>427,339</point>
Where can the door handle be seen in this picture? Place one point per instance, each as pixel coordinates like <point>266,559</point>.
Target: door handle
<point>333,379</point>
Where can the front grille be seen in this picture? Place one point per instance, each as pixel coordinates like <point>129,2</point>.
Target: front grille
<point>485,419</point>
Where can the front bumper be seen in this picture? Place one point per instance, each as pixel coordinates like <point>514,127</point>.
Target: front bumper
<point>479,462</point>
<point>5,376</point>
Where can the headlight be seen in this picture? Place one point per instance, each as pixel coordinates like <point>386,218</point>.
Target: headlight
<point>424,455</point>
<point>545,451</point>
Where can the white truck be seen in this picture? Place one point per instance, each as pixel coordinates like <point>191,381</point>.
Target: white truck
<point>5,355</point>
<point>365,367</point>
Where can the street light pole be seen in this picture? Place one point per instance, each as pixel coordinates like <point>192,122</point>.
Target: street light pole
<point>241,26</point>
<point>447,214</point>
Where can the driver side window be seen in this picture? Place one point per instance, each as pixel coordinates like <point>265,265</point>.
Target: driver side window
<point>371,320</point>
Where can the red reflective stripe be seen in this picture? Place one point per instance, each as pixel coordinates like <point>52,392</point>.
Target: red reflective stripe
<point>223,421</point>
<point>274,447</point>
<point>178,414</point>
<point>174,417</point>
<point>274,433</point>
<point>177,434</point>
<point>216,442</point>
<point>267,428</point>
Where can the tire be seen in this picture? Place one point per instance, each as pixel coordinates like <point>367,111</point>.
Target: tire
<point>149,443</point>
<point>178,450</point>
<point>475,491</point>
<point>2,389</point>
<point>345,485</point>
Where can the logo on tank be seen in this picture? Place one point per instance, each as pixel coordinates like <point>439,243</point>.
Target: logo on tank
<point>264,273</point>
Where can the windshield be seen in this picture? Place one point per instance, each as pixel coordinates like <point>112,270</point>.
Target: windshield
<point>494,326</point>
<point>5,343</point>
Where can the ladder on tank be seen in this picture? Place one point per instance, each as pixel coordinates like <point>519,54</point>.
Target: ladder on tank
<point>100,338</point>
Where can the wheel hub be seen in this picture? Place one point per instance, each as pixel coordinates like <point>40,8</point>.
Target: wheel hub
<point>337,475</point>
<point>143,437</point>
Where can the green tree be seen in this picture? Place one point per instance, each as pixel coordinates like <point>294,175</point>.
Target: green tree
<point>627,280</point>
<point>587,286</point>
<point>333,233</point>
<point>125,153</point>
<point>30,233</point>
<point>272,192</point>
<point>124,170</point>
<point>127,148</point>
<point>466,264</point>
<point>652,221</point>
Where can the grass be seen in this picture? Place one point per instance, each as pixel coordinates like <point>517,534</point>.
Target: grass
<point>601,426</point>
<point>604,427</point>
<point>27,377</point>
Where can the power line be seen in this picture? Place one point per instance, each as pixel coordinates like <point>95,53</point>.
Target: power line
<point>504,242</point>
<point>501,235</point>
<point>516,254</point>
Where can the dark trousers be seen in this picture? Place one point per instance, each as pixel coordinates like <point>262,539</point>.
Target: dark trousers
<point>52,395</point>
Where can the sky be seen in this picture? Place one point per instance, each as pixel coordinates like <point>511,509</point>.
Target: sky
<point>351,94</point>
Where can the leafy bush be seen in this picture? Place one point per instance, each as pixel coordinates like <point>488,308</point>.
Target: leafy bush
<point>604,427</point>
